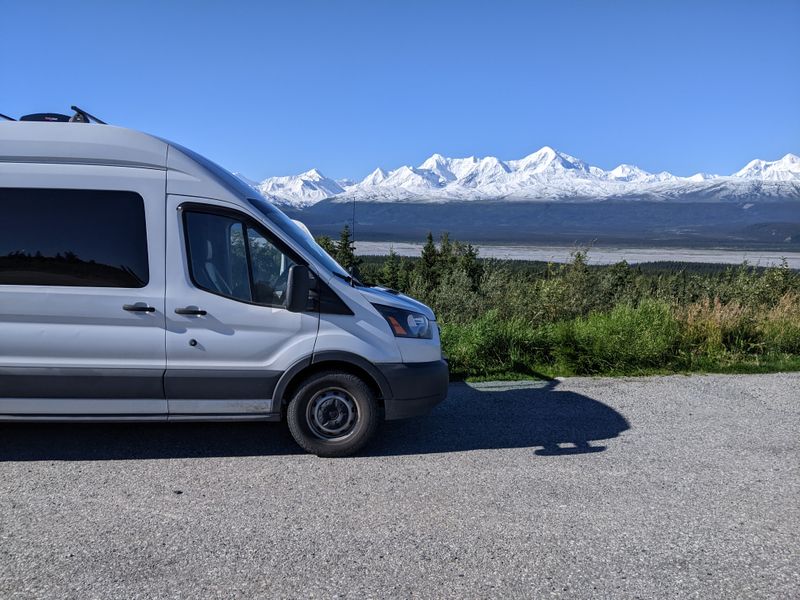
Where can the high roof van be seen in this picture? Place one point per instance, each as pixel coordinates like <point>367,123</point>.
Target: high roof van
<point>140,281</point>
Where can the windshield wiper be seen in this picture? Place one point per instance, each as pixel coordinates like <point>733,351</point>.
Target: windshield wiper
<point>349,279</point>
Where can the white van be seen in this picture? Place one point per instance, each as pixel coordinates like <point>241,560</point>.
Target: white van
<point>140,281</point>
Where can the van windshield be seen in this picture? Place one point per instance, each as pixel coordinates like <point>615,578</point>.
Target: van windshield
<point>290,228</point>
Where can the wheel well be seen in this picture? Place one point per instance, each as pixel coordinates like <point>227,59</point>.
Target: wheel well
<point>332,365</point>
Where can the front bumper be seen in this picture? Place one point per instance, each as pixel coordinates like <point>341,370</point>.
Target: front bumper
<point>416,387</point>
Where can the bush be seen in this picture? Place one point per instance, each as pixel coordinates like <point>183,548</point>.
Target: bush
<point>491,345</point>
<point>780,328</point>
<point>625,339</point>
<point>455,300</point>
<point>711,328</point>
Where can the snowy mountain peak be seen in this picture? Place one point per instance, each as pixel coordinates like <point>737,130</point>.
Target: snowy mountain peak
<point>783,169</point>
<point>412,177</point>
<point>440,166</point>
<point>699,177</point>
<point>633,174</point>
<point>626,172</point>
<point>374,178</point>
<point>542,157</point>
<point>313,174</point>
<point>433,161</point>
<point>545,153</point>
<point>546,159</point>
<point>300,190</point>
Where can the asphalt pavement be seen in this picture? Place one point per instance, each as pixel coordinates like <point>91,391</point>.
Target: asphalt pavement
<point>628,488</point>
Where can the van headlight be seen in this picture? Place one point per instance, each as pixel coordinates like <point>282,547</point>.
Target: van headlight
<point>406,323</point>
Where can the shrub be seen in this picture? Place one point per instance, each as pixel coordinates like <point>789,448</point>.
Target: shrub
<point>455,300</point>
<point>512,295</point>
<point>780,327</point>
<point>711,328</point>
<point>623,340</point>
<point>493,345</point>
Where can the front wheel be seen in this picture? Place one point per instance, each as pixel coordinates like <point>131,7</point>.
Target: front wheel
<point>333,414</point>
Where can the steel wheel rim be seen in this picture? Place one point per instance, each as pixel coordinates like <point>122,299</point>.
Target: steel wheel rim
<point>332,414</point>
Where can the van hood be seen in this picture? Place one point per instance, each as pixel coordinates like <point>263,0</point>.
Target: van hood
<point>381,295</point>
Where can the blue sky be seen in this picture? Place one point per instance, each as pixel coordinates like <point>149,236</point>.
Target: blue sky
<point>272,88</point>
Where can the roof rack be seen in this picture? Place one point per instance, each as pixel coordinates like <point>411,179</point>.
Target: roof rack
<point>79,116</point>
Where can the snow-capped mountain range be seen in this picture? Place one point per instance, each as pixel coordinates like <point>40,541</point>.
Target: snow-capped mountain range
<point>545,175</point>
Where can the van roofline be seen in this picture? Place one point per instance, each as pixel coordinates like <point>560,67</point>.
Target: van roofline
<point>35,142</point>
<point>79,143</point>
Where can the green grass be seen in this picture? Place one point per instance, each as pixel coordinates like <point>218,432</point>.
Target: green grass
<point>730,365</point>
<point>648,339</point>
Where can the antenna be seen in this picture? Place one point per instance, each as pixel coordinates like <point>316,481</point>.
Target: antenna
<point>353,269</point>
<point>82,115</point>
<point>6,117</point>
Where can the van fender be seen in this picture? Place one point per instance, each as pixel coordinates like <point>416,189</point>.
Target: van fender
<point>284,381</point>
<point>334,357</point>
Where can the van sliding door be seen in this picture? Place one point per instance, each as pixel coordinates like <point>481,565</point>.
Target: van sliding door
<point>82,291</point>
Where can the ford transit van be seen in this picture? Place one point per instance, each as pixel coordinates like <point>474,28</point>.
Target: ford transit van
<point>141,281</point>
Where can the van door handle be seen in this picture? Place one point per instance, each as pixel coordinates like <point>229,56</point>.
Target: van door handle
<point>191,310</point>
<point>138,307</point>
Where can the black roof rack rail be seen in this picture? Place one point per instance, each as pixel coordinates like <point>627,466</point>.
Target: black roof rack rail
<point>80,116</point>
<point>83,116</point>
<point>46,117</point>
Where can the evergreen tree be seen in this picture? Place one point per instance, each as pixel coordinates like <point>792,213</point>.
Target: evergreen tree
<point>427,265</point>
<point>445,257</point>
<point>468,261</point>
<point>446,249</point>
<point>390,273</point>
<point>345,251</point>
<point>404,277</point>
<point>327,244</point>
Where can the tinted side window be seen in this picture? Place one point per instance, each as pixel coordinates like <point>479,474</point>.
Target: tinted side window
<point>230,257</point>
<point>270,268</point>
<point>72,238</point>
<point>217,255</point>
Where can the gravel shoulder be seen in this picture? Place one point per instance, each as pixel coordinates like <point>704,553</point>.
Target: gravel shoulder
<point>633,487</point>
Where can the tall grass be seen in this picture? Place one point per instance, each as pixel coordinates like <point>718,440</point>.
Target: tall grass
<point>624,339</point>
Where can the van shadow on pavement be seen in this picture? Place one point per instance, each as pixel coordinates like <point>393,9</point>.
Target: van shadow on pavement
<point>527,414</point>
<point>507,415</point>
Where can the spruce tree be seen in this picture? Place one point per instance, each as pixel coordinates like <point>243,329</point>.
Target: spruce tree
<point>345,251</point>
<point>427,265</point>
<point>390,273</point>
<point>445,257</point>
<point>468,261</point>
<point>327,244</point>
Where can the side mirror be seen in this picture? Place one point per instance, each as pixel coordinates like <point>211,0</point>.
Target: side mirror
<point>297,287</point>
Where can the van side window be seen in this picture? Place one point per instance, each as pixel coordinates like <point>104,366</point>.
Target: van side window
<point>231,258</point>
<point>86,238</point>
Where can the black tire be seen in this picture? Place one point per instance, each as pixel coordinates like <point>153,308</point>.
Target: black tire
<point>333,414</point>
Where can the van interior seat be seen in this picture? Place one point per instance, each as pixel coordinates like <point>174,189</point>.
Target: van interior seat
<point>215,276</point>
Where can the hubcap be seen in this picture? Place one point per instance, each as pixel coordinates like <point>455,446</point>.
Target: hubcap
<point>332,414</point>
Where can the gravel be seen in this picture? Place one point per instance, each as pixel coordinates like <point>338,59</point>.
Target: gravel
<point>631,488</point>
